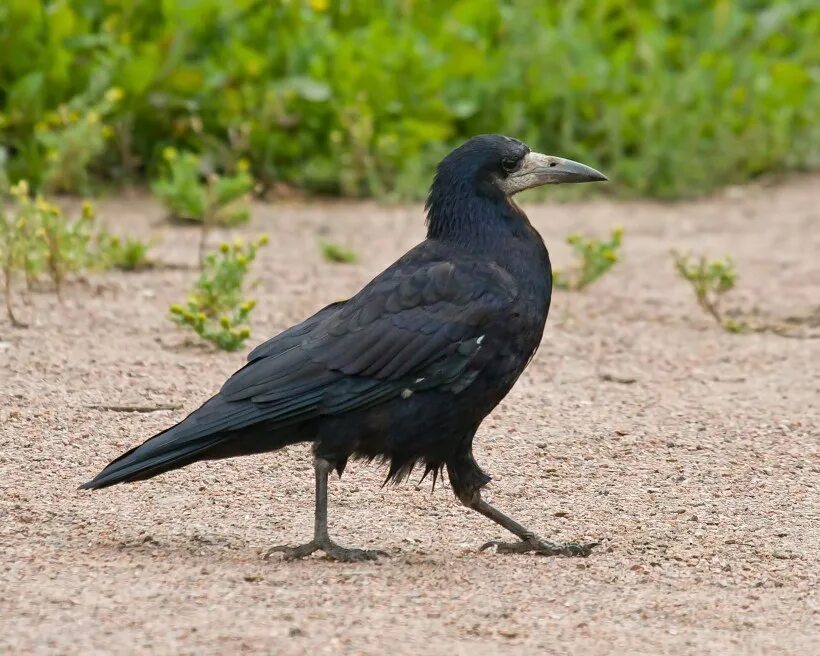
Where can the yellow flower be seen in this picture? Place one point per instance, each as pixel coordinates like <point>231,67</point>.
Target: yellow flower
<point>224,247</point>
<point>88,210</point>
<point>20,190</point>
<point>243,165</point>
<point>238,243</point>
<point>264,240</point>
<point>73,117</point>
<point>92,117</point>
<point>319,5</point>
<point>51,155</point>
<point>107,132</point>
<point>248,305</point>
<point>245,333</point>
<point>114,95</point>
<point>241,260</point>
<point>169,153</point>
<point>41,204</point>
<point>224,321</point>
<point>40,127</point>
<point>177,309</point>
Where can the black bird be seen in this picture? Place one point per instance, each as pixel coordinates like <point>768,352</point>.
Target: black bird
<point>406,369</point>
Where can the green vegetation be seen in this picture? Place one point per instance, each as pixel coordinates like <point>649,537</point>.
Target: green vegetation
<point>360,98</point>
<point>38,241</point>
<point>710,281</point>
<point>193,194</point>
<point>338,254</point>
<point>73,139</point>
<point>595,257</point>
<point>127,255</point>
<point>190,194</point>
<point>216,309</point>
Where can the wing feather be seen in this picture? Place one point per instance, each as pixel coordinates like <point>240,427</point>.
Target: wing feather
<point>417,321</point>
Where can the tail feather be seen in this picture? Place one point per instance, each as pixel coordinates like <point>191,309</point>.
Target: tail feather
<point>132,467</point>
<point>186,442</point>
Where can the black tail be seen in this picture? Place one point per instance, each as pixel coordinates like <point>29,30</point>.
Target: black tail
<point>200,436</point>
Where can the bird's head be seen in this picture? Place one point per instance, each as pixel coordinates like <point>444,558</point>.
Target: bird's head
<point>510,166</point>
<point>494,167</point>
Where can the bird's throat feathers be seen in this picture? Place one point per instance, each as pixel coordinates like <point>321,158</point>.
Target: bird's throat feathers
<point>476,216</point>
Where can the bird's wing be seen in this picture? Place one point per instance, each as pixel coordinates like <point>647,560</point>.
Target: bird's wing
<point>417,323</point>
<point>293,335</point>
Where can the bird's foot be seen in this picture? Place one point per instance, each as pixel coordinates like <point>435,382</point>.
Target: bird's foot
<point>537,545</point>
<point>330,548</point>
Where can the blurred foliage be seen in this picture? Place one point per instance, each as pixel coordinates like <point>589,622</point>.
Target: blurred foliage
<point>338,254</point>
<point>594,258</point>
<point>37,240</point>
<point>669,97</point>
<point>216,309</point>
<point>193,194</point>
<point>127,254</point>
<point>710,280</point>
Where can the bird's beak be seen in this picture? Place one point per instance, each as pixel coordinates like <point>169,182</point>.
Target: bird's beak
<point>538,169</point>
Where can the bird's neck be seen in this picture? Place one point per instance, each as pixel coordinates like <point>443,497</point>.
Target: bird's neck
<point>479,221</point>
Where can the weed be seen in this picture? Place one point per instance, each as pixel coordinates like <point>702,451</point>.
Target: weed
<point>16,239</point>
<point>73,138</point>
<point>363,98</point>
<point>128,254</point>
<point>37,240</point>
<point>191,194</point>
<point>336,253</point>
<point>710,281</point>
<point>215,309</point>
<point>595,257</point>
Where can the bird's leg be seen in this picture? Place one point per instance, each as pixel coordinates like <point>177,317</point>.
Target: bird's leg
<point>529,540</point>
<point>321,540</point>
<point>467,480</point>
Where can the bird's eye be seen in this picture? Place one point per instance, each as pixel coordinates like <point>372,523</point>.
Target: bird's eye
<point>510,165</point>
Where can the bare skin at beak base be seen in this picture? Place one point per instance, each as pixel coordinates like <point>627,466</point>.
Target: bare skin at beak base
<point>538,169</point>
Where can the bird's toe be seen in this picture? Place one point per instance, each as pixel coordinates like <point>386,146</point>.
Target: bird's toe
<point>543,547</point>
<point>345,555</point>
<point>292,553</point>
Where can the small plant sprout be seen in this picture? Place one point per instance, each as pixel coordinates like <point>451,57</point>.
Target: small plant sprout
<point>38,240</point>
<point>216,309</point>
<point>209,199</point>
<point>73,138</point>
<point>338,254</point>
<point>710,280</point>
<point>126,254</point>
<point>595,257</point>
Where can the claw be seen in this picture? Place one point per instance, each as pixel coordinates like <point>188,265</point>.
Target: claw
<point>331,549</point>
<point>292,553</point>
<point>543,547</point>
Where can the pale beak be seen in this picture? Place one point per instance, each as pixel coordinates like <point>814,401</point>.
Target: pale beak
<point>538,169</point>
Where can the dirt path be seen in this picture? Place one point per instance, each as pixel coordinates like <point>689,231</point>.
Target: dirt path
<point>701,478</point>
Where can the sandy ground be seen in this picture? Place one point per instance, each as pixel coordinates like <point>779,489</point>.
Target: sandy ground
<point>701,478</point>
